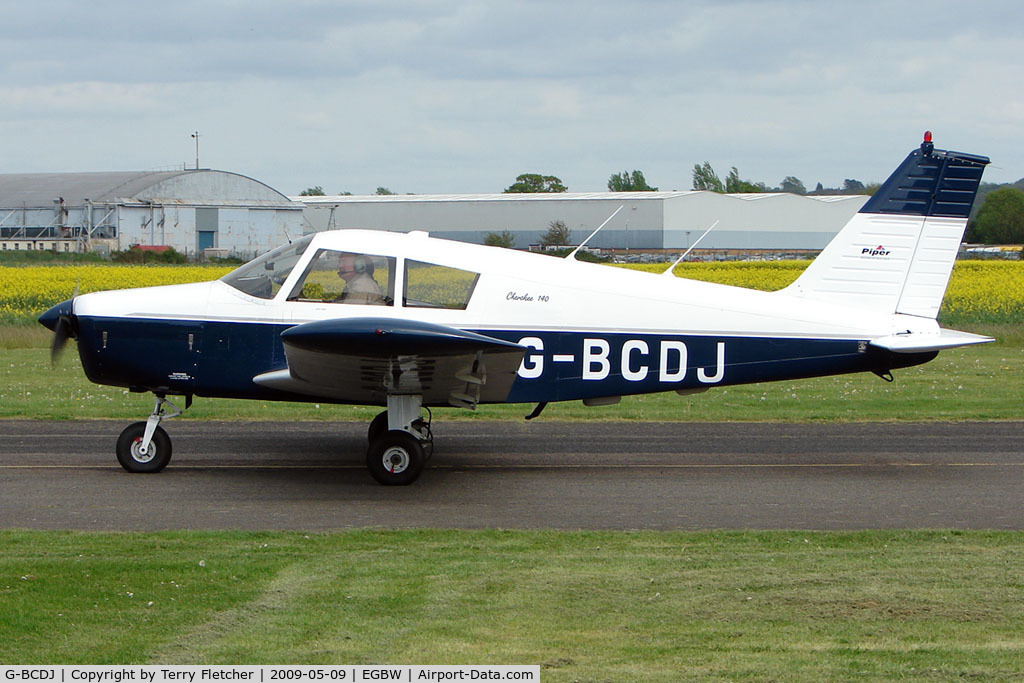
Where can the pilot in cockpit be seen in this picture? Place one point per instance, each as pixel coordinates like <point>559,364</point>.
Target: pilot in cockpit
<point>360,287</point>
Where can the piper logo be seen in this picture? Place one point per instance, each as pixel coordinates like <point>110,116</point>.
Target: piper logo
<point>874,251</point>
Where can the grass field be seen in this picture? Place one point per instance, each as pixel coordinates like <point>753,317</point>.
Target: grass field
<point>586,606</point>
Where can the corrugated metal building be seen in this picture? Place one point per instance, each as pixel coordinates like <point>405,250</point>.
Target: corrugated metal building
<point>190,210</point>
<point>648,220</point>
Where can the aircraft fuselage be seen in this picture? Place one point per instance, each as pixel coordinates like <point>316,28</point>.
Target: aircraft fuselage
<point>405,321</point>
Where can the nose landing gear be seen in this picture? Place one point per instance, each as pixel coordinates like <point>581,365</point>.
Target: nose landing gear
<point>144,447</point>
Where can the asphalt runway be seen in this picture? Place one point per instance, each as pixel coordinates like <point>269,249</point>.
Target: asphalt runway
<point>596,475</point>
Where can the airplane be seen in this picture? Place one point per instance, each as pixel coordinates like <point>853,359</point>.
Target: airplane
<point>409,322</point>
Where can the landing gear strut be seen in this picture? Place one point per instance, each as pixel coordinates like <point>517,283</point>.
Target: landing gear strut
<point>400,442</point>
<point>144,447</point>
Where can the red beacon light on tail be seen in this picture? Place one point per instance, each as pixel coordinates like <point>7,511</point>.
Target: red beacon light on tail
<point>927,146</point>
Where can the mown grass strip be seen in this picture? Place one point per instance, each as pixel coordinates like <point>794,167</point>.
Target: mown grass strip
<point>650,606</point>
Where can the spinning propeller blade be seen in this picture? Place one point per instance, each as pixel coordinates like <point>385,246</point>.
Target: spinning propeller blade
<point>61,334</point>
<point>60,319</point>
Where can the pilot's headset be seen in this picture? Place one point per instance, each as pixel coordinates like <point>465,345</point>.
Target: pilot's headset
<point>362,264</point>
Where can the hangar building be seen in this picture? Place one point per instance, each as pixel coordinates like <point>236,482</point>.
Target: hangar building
<point>190,210</point>
<point>648,220</point>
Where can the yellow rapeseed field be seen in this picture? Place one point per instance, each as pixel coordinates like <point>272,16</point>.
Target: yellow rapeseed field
<point>765,275</point>
<point>979,291</point>
<point>986,291</point>
<point>27,291</point>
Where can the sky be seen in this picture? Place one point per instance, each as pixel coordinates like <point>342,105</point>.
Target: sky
<point>460,97</point>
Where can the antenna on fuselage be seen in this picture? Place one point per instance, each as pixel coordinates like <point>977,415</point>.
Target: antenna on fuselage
<point>687,252</point>
<point>573,254</point>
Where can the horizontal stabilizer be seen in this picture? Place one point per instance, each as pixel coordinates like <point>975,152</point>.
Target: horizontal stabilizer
<point>924,342</point>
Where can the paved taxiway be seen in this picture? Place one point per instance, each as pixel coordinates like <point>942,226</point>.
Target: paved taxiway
<point>310,476</point>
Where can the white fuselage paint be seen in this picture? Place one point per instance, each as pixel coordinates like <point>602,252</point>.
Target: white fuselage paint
<point>539,294</point>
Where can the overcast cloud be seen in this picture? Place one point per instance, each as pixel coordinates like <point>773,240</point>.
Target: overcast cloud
<point>457,97</point>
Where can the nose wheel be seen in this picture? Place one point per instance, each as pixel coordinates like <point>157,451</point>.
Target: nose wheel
<point>134,458</point>
<point>144,447</point>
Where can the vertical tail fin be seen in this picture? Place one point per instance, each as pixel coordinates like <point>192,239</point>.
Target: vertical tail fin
<point>896,254</point>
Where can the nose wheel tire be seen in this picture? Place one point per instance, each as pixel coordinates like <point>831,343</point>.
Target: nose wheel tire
<point>129,446</point>
<point>395,458</point>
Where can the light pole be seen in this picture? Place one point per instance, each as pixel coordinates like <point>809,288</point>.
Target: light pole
<point>195,136</point>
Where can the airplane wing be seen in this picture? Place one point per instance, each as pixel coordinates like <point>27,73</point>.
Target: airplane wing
<point>363,360</point>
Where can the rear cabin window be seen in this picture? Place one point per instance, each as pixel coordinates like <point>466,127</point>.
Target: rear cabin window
<point>344,277</point>
<point>432,286</point>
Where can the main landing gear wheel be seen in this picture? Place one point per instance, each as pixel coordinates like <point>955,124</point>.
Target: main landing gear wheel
<point>129,447</point>
<point>395,458</point>
<point>378,426</point>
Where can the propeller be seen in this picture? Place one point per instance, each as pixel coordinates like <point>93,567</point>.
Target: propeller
<point>61,334</point>
<point>60,319</point>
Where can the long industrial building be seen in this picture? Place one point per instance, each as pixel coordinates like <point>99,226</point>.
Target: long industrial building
<point>194,211</point>
<point>211,212</point>
<point>646,220</point>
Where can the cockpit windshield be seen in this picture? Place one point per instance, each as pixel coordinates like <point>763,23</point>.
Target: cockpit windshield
<point>263,276</point>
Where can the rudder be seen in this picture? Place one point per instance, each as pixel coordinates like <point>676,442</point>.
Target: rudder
<point>896,254</point>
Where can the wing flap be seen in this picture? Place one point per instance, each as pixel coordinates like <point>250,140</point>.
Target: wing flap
<point>363,360</point>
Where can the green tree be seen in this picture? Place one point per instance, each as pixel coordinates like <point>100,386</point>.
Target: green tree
<point>534,182</point>
<point>558,235</point>
<point>734,185</point>
<point>629,182</point>
<point>851,186</point>
<point>792,185</point>
<point>316,191</point>
<point>1001,217</point>
<point>385,191</point>
<point>705,178</point>
<point>505,238</point>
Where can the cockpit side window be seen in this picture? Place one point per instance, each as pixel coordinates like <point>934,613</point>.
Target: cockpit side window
<point>432,286</point>
<point>344,277</point>
<point>263,276</point>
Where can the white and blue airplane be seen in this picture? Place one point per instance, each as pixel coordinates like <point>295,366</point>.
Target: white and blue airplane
<point>409,322</point>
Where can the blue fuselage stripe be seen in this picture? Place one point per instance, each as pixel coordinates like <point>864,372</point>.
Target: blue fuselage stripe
<point>219,359</point>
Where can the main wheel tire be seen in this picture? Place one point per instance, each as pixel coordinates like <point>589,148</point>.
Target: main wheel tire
<point>157,457</point>
<point>378,426</point>
<point>395,458</point>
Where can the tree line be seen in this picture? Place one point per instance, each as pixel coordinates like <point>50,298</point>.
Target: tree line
<point>998,214</point>
<point>704,178</point>
<point>997,217</point>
